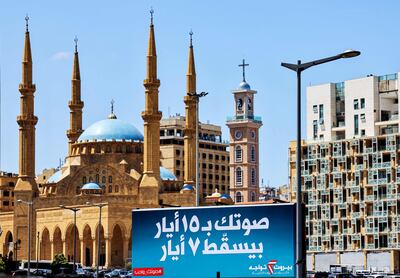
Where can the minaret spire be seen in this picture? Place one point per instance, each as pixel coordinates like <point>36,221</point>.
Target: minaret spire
<point>191,102</point>
<point>75,104</point>
<point>151,182</point>
<point>27,121</point>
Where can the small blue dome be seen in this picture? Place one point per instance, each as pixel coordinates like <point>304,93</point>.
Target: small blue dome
<point>166,174</point>
<point>244,86</point>
<point>55,177</point>
<point>225,196</point>
<point>91,186</point>
<point>188,187</point>
<point>111,129</point>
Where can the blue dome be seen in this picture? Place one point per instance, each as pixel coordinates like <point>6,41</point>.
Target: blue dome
<point>91,186</point>
<point>111,129</point>
<point>166,174</point>
<point>187,187</point>
<point>244,86</point>
<point>55,177</point>
<point>225,196</point>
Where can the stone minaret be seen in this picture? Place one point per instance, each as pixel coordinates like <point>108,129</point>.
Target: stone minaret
<point>27,121</point>
<point>26,188</point>
<point>75,104</point>
<point>191,103</point>
<point>151,182</point>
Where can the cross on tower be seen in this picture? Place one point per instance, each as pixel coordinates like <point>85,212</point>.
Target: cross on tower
<point>243,65</point>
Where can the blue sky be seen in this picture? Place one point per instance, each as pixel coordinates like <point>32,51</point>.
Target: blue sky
<point>112,47</point>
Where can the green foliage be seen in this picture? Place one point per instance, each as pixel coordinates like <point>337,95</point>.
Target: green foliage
<point>59,259</point>
<point>128,265</point>
<point>2,265</point>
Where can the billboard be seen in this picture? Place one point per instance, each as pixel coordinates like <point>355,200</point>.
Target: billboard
<point>237,241</point>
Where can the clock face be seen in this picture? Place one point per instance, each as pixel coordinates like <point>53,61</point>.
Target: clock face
<point>238,134</point>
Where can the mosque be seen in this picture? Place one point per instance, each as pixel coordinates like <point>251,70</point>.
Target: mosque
<point>110,163</point>
<point>110,169</point>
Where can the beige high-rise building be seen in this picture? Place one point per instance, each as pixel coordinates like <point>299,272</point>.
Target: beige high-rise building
<point>213,154</point>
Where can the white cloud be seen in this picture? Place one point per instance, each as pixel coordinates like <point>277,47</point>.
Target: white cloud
<point>62,55</point>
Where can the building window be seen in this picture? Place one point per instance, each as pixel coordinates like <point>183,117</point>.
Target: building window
<point>223,158</point>
<point>116,189</point>
<point>239,176</point>
<point>238,154</point>
<point>216,157</point>
<point>315,109</point>
<point>204,156</point>
<point>253,153</point>
<point>355,104</point>
<point>223,168</point>
<point>203,165</point>
<point>178,162</point>
<point>178,173</point>
<point>210,176</point>
<point>103,179</point>
<point>362,103</point>
<point>253,196</point>
<point>97,178</point>
<point>321,114</point>
<point>253,176</point>
<point>178,152</point>
<point>362,117</point>
<point>315,129</point>
<point>204,176</point>
<point>110,179</point>
<point>356,124</point>
<point>108,149</point>
<point>210,166</point>
<point>362,132</point>
<point>210,156</point>
<point>83,180</point>
<point>239,197</point>
<point>239,104</point>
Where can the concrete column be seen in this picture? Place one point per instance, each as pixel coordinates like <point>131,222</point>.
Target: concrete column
<point>125,251</point>
<point>94,256</point>
<point>52,249</point>
<point>107,242</point>
<point>64,249</point>
<point>82,251</point>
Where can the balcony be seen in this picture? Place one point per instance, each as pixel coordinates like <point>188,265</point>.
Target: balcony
<point>243,118</point>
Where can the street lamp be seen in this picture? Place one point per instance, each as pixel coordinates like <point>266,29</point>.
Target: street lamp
<point>30,204</point>
<point>74,210</point>
<point>300,236</point>
<point>100,206</point>
<point>197,97</point>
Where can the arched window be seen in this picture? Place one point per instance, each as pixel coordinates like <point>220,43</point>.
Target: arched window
<point>103,179</point>
<point>110,179</point>
<point>108,149</point>
<point>110,189</point>
<point>116,188</point>
<point>253,197</point>
<point>90,179</point>
<point>239,197</point>
<point>97,178</point>
<point>239,175</point>
<point>253,176</point>
<point>238,154</point>
<point>253,153</point>
<point>239,104</point>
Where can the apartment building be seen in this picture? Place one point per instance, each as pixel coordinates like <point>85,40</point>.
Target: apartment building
<point>351,175</point>
<point>213,157</point>
<point>7,184</point>
<point>355,108</point>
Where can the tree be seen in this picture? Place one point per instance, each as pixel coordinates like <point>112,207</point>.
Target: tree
<point>2,265</point>
<point>59,260</point>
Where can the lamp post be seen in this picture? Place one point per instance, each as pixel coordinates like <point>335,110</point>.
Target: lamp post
<point>197,97</point>
<point>30,204</point>
<point>100,206</point>
<point>300,235</point>
<point>74,210</point>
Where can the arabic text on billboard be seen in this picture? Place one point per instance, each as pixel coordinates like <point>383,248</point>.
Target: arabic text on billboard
<point>237,241</point>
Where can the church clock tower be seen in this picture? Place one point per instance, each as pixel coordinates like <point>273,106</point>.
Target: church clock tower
<point>244,144</point>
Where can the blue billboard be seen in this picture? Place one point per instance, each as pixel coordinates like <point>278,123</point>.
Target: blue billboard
<point>237,241</point>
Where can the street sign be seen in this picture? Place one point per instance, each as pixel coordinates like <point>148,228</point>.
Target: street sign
<point>237,241</point>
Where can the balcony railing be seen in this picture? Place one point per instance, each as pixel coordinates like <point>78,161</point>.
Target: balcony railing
<point>239,118</point>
